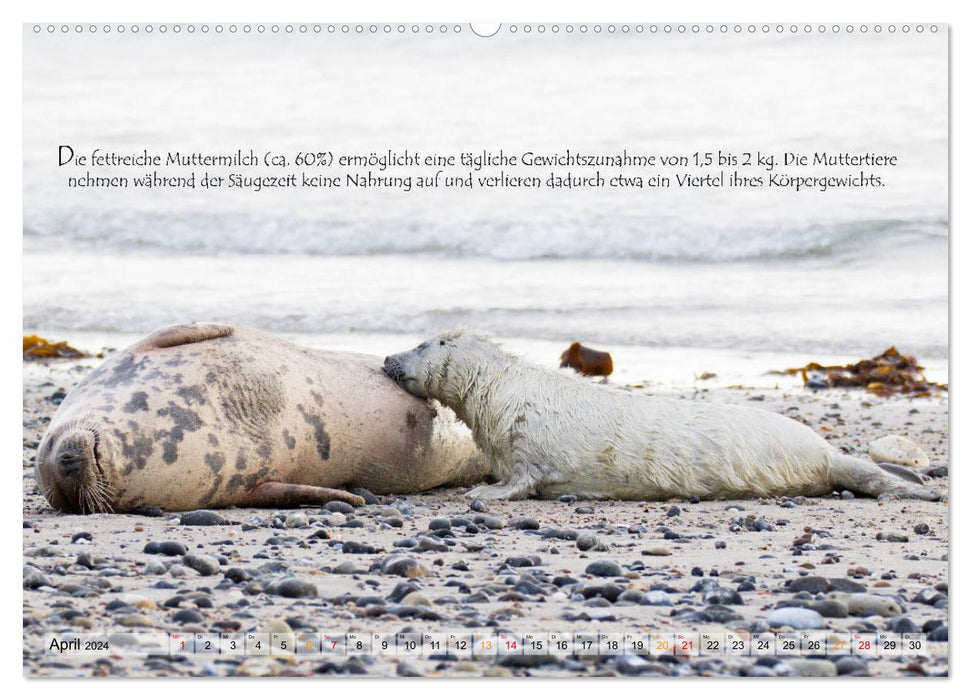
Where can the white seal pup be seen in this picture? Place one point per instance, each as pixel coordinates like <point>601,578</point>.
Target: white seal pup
<point>211,415</point>
<point>547,434</point>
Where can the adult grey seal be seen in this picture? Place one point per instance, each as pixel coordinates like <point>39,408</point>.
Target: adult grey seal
<point>549,434</point>
<point>207,415</point>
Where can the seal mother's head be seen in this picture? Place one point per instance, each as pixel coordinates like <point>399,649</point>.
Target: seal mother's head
<point>74,469</point>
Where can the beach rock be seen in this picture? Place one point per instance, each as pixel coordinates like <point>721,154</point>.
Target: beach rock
<point>296,588</point>
<point>406,567</point>
<point>187,617</point>
<point>844,585</point>
<point>154,567</point>
<point>369,498</point>
<point>604,568</point>
<point>902,625</point>
<point>809,584</point>
<point>851,666</point>
<point>796,618</point>
<point>166,549</point>
<point>296,521</point>
<point>34,578</point>
<point>202,518</point>
<point>898,450</point>
<point>416,599</point>
<point>656,551</point>
<point>656,598</point>
<point>338,507</point>
<point>813,668</point>
<point>357,548</point>
<point>586,542</point>
<point>523,523</point>
<point>205,565</point>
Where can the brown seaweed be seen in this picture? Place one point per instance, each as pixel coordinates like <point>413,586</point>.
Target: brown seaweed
<point>890,372</point>
<point>586,361</point>
<point>38,348</point>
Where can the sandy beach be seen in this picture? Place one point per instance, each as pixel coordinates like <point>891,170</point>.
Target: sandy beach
<point>503,567</point>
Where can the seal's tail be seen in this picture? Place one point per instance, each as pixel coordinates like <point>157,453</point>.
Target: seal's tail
<point>870,479</point>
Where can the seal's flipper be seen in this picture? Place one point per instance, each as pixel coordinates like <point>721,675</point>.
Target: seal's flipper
<point>184,334</point>
<point>275,494</point>
<point>902,472</point>
<point>869,479</point>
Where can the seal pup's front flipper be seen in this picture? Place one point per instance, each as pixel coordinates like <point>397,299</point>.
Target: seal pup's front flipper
<point>183,334</point>
<point>276,494</point>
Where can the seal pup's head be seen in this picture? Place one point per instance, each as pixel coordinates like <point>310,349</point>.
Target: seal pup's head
<point>73,469</point>
<point>441,367</point>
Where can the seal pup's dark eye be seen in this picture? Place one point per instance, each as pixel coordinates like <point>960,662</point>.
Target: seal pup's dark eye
<point>441,342</point>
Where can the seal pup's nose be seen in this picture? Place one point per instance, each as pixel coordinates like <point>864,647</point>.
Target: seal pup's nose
<point>392,368</point>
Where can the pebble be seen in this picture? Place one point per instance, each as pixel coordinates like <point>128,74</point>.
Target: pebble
<point>166,549</point>
<point>202,518</point>
<point>81,536</point>
<point>656,598</point>
<point>416,598</point>
<point>656,551</point>
<point>844,585</point>
<point>567,498</point>
<point>296,588</point>
<point>154,567</point>
<point>406,670</point>
<point>898,450</point>
<point>847,495</point>
<point>187,616</point>
<point>404,567</point>
<point>813,668</point>
<point>557,533</point>
<point>851,666</point>
<point>604,568</point>
<point>586,542</point>
<point>673,512</point>
<point>34,578</point>
<point>296,521</point>
<point>357,548</point>
<point>338,507</point>
<point>797,618</point>
<point>205,565</point>
<point>922,528</point>
<point>902,625</point>
<point>523,523</point>
<point>478,506</point>
<point>490,521</point>
<point>524,561</point>
<point>809,584</point>
<point>369,498</point>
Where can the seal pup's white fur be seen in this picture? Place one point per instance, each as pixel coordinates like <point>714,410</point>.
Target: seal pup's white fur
<point>546,434</point>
